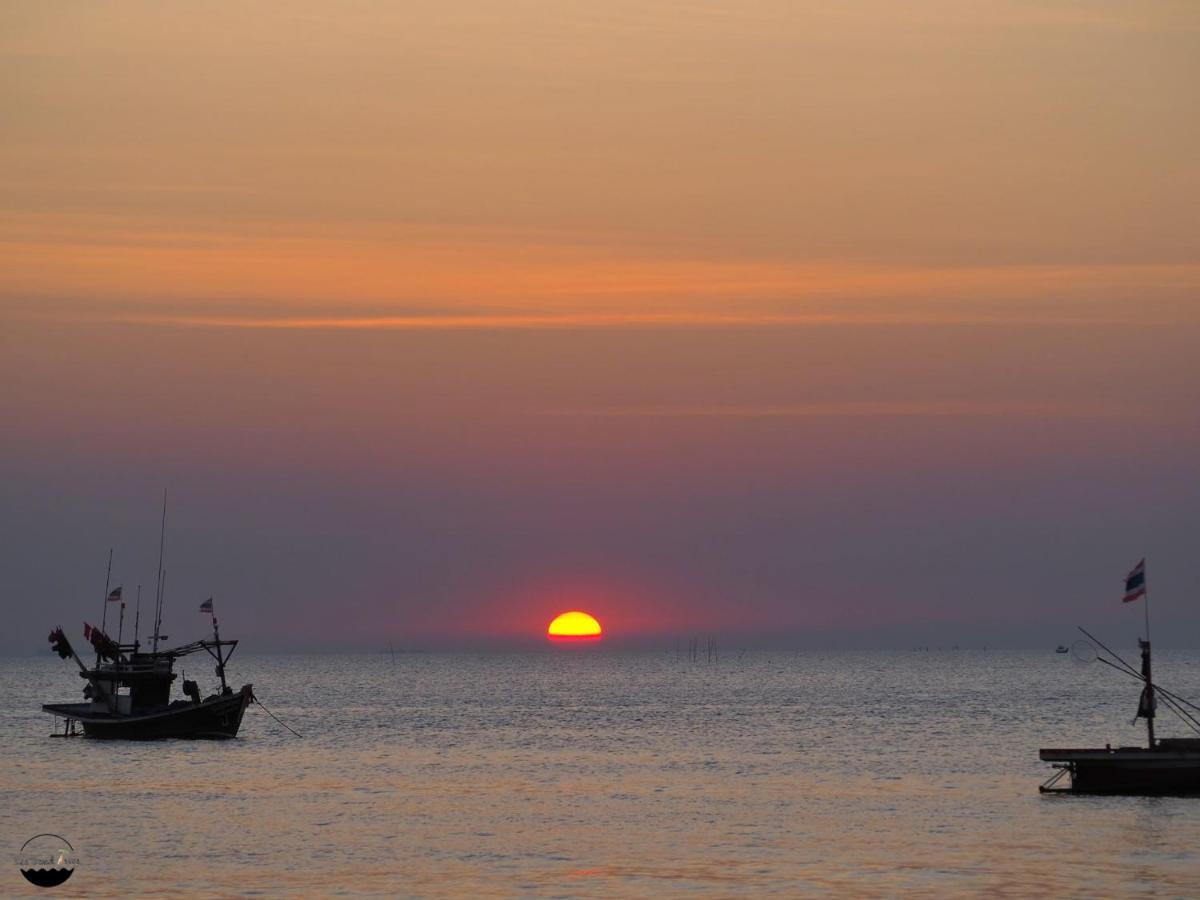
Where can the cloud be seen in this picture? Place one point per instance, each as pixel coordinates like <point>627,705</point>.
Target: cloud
<point>859,409</point>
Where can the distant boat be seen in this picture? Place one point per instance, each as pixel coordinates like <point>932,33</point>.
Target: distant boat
<point>1163,766</point>
<point>1062,649</point>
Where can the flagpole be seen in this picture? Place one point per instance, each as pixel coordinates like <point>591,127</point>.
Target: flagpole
<point>212,611</point>
<point>1146,597</point>
<point>107,577</point>
<point>1147,672</point>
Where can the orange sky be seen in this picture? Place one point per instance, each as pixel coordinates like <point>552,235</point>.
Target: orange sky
<point>563,154</point>
<point>720,250</point>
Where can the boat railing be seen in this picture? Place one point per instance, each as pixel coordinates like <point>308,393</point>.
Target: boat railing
<point>119,669</point>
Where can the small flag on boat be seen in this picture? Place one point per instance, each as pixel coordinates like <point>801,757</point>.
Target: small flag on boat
<point>1135,583</point>
<point>104,645</point>
<point>114,595</point>
<point>206,606</point>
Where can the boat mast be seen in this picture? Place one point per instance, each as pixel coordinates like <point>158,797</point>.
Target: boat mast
<point>220,657</point>
<point>1147,705</point>
<point>120,629</point>
<point>104,613</point>
<point>137,620</point>
<point>162,589</point>
<point>162,536</point>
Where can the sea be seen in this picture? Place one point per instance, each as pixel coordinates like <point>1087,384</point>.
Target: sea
<point>589,771</point>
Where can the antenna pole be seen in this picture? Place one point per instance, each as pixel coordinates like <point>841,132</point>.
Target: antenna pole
<point>107,579</point>
<point>162,588</point>
<point>104,613</point>
<point>162,537</point>
<point>137,620</point>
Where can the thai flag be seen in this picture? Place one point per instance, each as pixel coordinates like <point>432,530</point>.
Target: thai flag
<point>114,595</point>
<point>206,606</point>
<point>1135,582</point>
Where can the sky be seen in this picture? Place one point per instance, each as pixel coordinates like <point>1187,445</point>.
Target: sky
<point>787,323</point>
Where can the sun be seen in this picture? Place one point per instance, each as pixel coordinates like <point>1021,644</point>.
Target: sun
<point>574,626</point>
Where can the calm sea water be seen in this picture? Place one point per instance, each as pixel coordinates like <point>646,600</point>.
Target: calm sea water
<point>576,772</point>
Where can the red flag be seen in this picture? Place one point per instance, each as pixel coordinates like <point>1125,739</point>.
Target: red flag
<point>1135,583</point>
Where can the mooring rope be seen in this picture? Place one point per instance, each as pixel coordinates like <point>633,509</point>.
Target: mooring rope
<point>254,697</point>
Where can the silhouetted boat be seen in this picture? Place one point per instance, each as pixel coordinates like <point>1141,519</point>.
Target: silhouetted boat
<point>128,692</point>
<point>1062,649</point>
<point>1163,766</point>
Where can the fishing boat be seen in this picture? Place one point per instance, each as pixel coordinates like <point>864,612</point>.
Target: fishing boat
<point>128,691</point>
<point>1164,765</point>
<point>1061,648</point>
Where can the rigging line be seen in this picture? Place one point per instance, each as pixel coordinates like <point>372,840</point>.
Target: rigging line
<point>1110,652</point>
<point>1182,712</point>
<point>1179,711</point>
<point>1175,696</point>
<point>1170,699</point>
<point>275,717</point>
<point>1129,670</point>
<point>1112,665</point>
<point>1186,718</point>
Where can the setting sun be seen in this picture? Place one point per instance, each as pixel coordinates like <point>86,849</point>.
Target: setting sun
<point>574,626</point>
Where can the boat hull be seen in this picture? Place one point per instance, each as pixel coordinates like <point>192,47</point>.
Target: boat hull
<point>215,718</point>
<point>1128,770</point>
